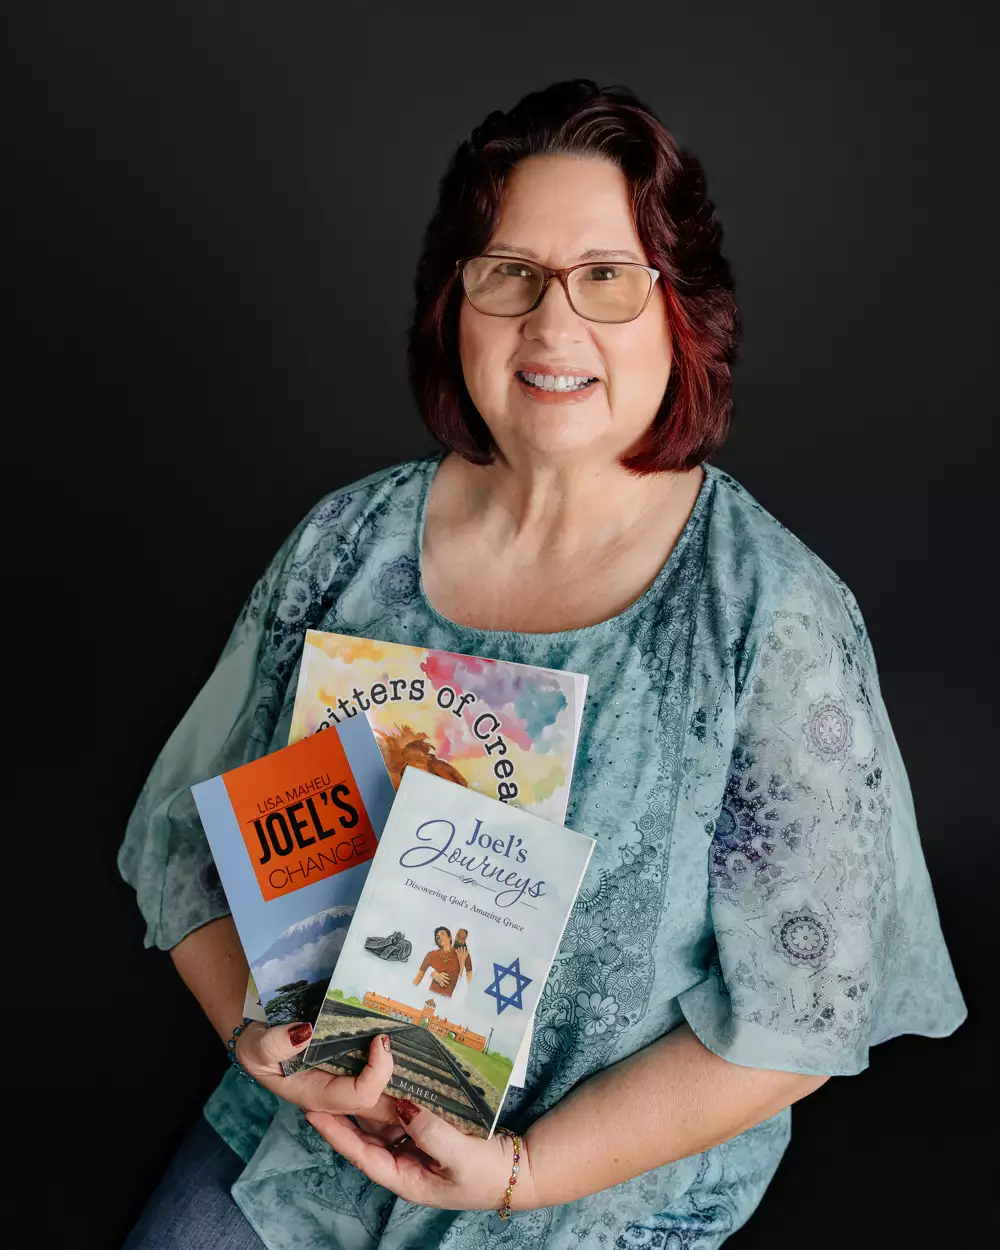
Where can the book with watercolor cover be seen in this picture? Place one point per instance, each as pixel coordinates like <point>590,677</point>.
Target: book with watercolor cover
<point>293,835</point>
<point>452,939</point>
<point>507,730</point>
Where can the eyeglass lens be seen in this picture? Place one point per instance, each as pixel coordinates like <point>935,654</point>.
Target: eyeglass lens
<point>600,292</point>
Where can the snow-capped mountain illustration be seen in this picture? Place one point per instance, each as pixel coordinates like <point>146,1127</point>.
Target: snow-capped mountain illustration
<point>305,951</point>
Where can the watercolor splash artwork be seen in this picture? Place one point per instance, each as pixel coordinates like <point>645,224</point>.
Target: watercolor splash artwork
<point>508,731</point>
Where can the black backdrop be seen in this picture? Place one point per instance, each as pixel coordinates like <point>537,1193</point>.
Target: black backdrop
<point>218,210</point>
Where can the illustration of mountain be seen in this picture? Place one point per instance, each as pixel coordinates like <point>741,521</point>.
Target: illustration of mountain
<point>305,952</point>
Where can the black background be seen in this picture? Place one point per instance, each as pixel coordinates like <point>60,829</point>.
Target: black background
<point>218,212</point>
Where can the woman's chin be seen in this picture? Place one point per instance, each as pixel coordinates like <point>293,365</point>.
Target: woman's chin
<point>556,434</point>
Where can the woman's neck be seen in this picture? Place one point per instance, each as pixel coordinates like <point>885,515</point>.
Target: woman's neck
<point>545,550</point>
<point>562,509</point>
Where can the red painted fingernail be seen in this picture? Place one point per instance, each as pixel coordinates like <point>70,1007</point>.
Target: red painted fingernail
<point>300,1033</point>
<point>385,1041</point>
<point>406,1110</point>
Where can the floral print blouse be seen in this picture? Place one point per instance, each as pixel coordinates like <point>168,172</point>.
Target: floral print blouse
<point>757,873</point>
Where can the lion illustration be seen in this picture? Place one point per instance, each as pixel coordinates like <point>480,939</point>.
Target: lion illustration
<point>405,747</point>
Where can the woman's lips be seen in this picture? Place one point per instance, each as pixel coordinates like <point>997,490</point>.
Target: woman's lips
<point>554,397</point>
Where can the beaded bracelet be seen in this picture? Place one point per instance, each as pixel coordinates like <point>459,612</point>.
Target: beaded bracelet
<point>231,1047</point>
<point>504,1210</point>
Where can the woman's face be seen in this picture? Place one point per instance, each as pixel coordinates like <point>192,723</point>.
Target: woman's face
<point>559,210</point>
<point>443,940</point>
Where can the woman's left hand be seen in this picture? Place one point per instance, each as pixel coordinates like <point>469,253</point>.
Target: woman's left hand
<point>438,1166</point>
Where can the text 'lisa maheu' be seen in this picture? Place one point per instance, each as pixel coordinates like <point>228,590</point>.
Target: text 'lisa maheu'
<point>306,816</point>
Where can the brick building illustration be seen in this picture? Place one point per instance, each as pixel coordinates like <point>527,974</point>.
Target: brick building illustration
<point>426,1017</point>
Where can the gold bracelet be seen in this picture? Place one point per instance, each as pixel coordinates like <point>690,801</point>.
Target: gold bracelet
<point>504,1209</point>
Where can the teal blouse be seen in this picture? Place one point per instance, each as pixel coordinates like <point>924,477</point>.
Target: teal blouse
<point>757,873</point>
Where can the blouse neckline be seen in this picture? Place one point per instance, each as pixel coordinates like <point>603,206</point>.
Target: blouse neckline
<point>584,632</point>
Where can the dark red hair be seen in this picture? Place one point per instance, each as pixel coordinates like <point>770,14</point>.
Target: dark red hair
<point>676,223</point>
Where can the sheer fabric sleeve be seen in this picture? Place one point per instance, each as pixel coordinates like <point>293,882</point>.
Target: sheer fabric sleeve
<point>827,939</point>
<point>165,856</point>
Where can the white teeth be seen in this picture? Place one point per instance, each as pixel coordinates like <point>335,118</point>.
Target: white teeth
<point>556,382</point>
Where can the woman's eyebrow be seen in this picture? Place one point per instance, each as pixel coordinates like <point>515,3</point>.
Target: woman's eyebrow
<point>509,247</point>
<point>594,253</point>
<point>600,253</point>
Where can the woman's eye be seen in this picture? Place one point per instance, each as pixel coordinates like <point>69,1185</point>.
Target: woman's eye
<point>603,273</point>
<point>513,270</point>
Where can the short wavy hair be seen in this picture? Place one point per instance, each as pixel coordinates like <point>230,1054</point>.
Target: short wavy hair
<point>679,230</point>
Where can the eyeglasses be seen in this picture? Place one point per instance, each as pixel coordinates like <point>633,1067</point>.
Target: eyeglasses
<point>606,291</point>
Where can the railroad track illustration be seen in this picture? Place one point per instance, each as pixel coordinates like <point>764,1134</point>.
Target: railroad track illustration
<point>418,1051</point>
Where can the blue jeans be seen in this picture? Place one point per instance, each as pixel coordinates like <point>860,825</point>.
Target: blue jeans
<point>192,1208</point>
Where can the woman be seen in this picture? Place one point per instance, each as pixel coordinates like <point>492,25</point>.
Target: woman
<point>757,911</point>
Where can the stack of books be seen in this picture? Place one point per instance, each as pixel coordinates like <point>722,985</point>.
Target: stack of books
<point>402,866</point>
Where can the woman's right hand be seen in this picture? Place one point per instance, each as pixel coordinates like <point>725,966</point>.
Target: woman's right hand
<point>261,1049</point>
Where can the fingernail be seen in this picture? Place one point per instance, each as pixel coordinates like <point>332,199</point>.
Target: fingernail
<point>385,1042</point>
<point>406,1110</point>
<point>299,1033</point>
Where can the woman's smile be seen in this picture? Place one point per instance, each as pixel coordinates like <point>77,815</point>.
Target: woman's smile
<point>544,386</point>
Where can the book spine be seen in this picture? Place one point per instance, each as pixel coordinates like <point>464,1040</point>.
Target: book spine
<point>580,682</point>
<point>300,685</point>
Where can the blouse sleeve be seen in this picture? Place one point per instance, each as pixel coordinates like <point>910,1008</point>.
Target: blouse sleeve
<point>165,855</point>
<point>827,938</point>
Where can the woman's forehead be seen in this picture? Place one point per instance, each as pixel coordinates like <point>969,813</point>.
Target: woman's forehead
<point>560,210</point>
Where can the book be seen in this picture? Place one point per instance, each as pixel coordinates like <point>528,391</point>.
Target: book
<point>507,730</point>
<point>452,939</point>
<point>293,835</point>
<point>252,1008</point>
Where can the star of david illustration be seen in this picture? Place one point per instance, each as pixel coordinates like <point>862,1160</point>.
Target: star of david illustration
<point>521,983</point>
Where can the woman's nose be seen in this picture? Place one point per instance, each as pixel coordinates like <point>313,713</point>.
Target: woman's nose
<point>554,319</point>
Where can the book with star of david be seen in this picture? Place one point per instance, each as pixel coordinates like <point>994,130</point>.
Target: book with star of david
<point>451,941</point>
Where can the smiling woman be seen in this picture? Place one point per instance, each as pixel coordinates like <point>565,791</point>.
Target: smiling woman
<point>757,913</point>
<point>591,328</point>
<point>613,186</point>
